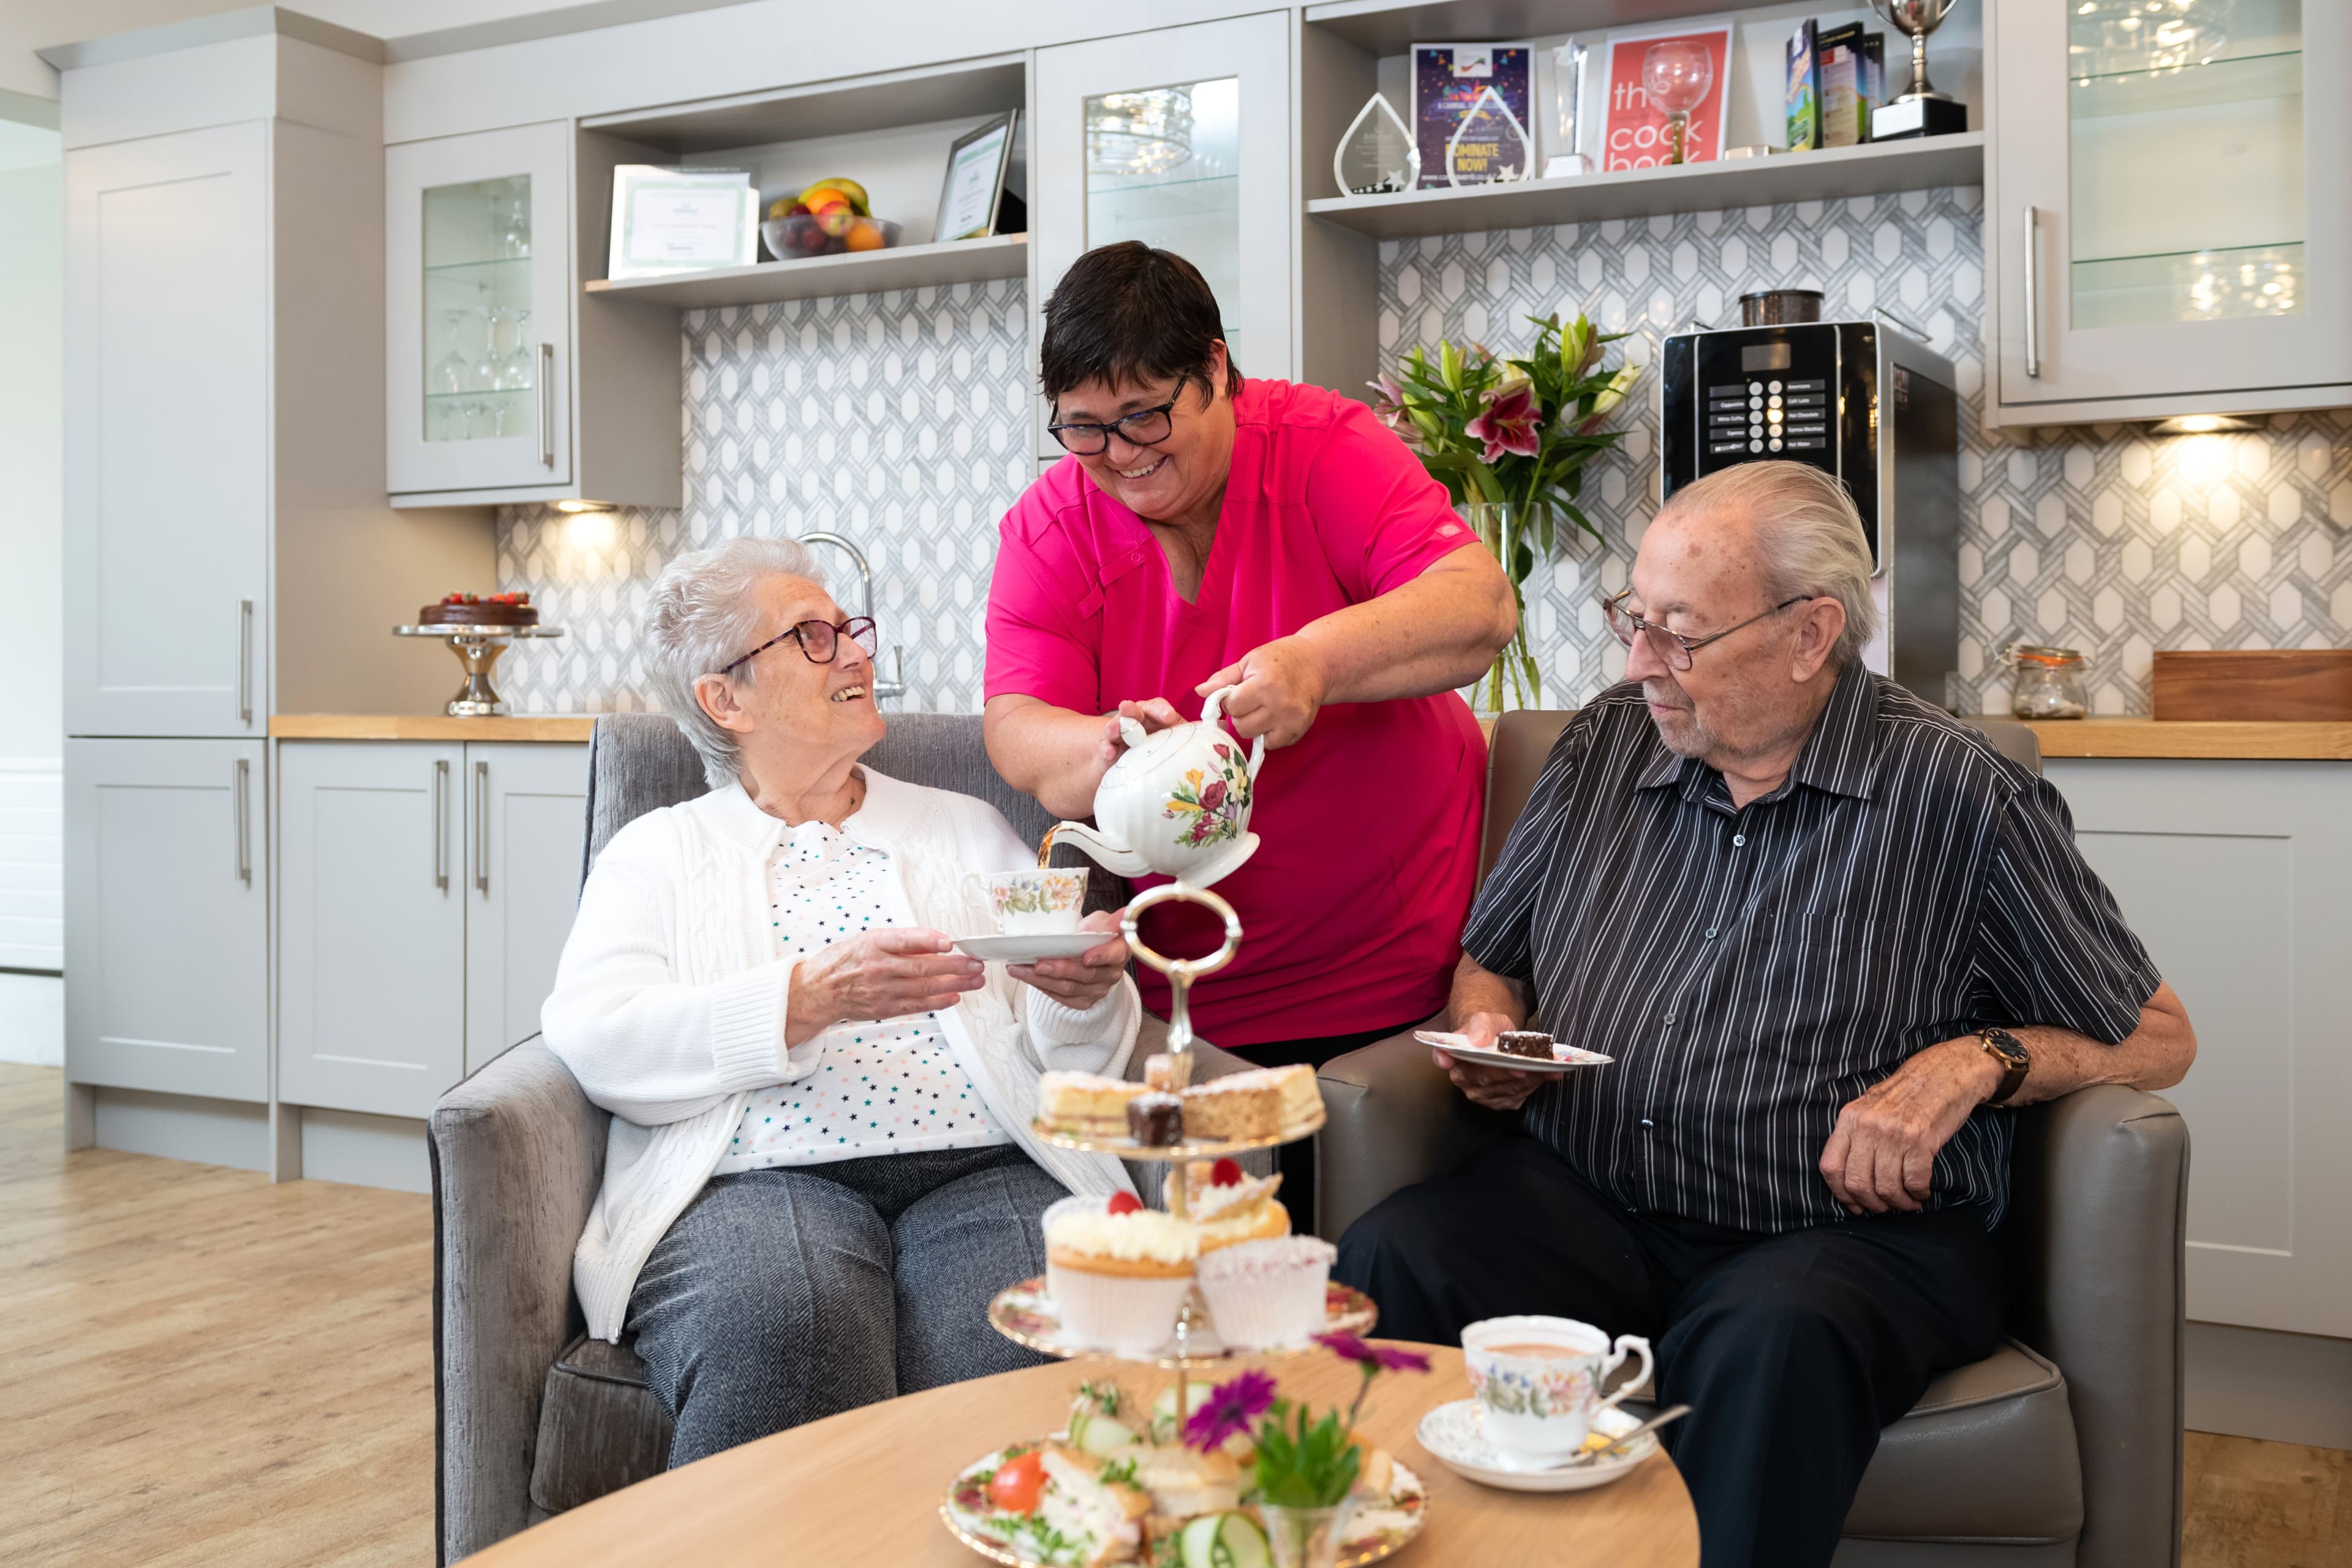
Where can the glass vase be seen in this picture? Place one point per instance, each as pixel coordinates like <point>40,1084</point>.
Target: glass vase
<point>1516,537</point>
<point>1306,1537</point>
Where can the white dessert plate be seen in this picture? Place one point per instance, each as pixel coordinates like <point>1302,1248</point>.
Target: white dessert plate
<point>1378,1528</point>
<point>1459,1047</point>
<point>1029,947</point>
<point>1458,1436</point>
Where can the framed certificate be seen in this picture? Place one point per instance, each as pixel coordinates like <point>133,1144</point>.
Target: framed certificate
<point>977,166</point>
<point>667,220</point>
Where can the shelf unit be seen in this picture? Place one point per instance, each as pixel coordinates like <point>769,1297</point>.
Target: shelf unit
<point>1830,175</point>
<point>903,267</point>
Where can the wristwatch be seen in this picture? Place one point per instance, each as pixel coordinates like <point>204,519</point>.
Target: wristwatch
<point>2015,1061</point>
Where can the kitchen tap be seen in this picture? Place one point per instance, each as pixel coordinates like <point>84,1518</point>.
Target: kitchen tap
<point>895,687</point>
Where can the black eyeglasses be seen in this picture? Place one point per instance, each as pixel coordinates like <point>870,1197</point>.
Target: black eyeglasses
<point>1673,646</point>
<point>819,640</point>
<point>1144,427</point>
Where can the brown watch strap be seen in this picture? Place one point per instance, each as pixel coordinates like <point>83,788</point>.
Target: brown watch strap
<point>2014,1067</point>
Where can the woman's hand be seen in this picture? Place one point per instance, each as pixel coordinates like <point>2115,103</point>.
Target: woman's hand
<point>1279,690</point>
<point>1079,983</point>
<point>893,972</point>
<point>1154,714</point>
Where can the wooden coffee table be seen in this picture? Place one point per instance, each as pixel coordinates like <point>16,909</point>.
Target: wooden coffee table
<point>864,1486</point>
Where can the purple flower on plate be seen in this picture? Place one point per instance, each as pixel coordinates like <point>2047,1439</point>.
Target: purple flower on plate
<point>1228,1411</point>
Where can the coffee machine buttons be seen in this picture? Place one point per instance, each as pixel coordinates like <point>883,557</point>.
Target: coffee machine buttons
<point>1776,446</point>
<point>1808,386</point>
<point>1771,386</point>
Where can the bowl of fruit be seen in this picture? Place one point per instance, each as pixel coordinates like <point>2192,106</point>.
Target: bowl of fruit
<point>829,218</point>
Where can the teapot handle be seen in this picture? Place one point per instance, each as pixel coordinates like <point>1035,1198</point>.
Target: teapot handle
<point>1212,713</point>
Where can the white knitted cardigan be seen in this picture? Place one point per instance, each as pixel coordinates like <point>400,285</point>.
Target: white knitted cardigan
<point>670,1004</point>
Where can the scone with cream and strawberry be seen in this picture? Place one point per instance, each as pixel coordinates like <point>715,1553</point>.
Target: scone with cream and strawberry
<point>1229,1205</point>
<point>1119,1272</point>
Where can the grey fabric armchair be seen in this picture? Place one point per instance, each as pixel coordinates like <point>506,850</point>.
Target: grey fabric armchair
<point>533,1417</point>
<point>2063,1447</point>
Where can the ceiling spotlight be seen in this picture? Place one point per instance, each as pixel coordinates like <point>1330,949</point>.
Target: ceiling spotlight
<point>580,506</point>
<point>2200,424</point>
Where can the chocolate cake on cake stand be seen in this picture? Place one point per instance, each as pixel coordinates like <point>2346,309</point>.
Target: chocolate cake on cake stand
<point>1025,1313</point>
<point>477,631</point>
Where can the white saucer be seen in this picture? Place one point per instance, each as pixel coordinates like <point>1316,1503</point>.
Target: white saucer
<point>1453,1046</point>
<point>1029,947</point>
<point>1454,1433</point>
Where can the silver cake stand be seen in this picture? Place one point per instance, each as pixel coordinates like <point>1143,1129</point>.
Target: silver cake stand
<point>477,649</point>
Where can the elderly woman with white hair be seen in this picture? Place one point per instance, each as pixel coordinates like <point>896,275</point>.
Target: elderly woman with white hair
<point>820,1168</point>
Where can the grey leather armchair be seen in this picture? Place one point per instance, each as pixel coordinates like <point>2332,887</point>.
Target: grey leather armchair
<point>2063,1447</point>
<point>533,1417</point>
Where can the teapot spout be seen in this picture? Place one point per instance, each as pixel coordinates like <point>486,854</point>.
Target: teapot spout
<point>1105,850</point>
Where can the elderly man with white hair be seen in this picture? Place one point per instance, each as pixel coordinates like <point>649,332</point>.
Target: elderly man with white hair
<point>819,1167</point>
<point>1830,935</point>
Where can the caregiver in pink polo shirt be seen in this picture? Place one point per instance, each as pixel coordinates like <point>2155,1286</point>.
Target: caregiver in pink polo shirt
<point>1208,530</point>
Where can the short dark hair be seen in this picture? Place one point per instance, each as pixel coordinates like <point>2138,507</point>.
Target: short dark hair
<point>1128,313</point>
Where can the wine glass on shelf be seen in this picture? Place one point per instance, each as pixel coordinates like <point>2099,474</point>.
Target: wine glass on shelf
<point>452,371</point>
<point>1677,74</point>
<point>514,365</point>
<point>514,224</point>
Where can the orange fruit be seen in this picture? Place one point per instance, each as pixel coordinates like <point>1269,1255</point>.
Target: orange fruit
<point>866,235</point>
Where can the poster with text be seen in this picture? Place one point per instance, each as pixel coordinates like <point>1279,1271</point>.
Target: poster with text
<point>1446,80</point>
<point>1633,133</point>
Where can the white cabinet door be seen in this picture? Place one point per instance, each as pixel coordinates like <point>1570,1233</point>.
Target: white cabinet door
<point>477,311</point>
<point>2232,873</point>
<point>167,937</point>
<point>167,452</point>
<point>2190,227</point>
<point>525,820</point>
<point>372,924</point>
<point>1178,138</point>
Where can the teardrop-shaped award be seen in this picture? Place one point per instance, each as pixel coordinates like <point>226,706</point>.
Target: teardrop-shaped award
<point>1377,155</point>
<point>1490,146</point>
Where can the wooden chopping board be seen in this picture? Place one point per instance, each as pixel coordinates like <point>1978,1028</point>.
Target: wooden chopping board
<point>2280,686</point>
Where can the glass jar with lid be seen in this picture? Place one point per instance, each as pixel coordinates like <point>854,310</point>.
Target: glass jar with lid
<point>2046,682</point>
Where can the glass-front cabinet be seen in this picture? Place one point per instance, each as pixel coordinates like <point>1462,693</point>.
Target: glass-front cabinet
<point>2170,209</point>
<point>478,311</point>
<point>1180,139</point>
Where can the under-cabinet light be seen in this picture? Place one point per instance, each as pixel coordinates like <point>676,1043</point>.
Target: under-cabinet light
<point>580,506</point>
<point>2200,424</point>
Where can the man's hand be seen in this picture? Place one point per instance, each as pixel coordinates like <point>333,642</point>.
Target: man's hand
<point>1281,687</point>
<point>1080,983</point>
<point>1496,1088</point>
<point>894,971</point>
<point>1882,1154</point>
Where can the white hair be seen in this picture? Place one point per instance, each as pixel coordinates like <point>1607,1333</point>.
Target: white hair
<point>1810,541</point>
<point>702,616</point>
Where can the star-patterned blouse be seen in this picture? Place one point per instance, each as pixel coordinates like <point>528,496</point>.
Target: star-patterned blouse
<point>879,1089</point>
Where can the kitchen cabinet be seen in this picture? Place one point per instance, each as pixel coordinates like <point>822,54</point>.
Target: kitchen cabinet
<point>425,889</point>
<point>167,467</point>
<point>2232,873</point>
<point>2168,214</point>
<point>167,893</point>
<point>1178,138</point>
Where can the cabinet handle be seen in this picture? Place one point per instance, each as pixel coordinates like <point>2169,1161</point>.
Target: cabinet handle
<point>440,827</point>
<point>2034,292</point>
<point>482,828</point>
<point>244,662</point>
<point>244,822</point>
<point>547,404</point>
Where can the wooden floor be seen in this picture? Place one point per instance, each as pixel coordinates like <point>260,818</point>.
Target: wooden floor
<point>206,1370</point>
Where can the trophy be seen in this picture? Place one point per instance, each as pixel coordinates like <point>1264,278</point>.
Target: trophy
<point>1921,111</point>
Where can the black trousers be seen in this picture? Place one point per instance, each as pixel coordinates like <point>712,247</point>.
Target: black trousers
<point>1792,1350</point>
<point>1297,1161</point>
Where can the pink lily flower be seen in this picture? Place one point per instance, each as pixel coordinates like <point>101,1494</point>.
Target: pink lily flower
<point>1508,423</point>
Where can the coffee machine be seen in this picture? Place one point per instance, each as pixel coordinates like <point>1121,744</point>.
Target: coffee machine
<point>1860,400</point>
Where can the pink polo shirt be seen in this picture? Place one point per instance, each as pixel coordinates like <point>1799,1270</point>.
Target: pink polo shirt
<point>1352,907</point>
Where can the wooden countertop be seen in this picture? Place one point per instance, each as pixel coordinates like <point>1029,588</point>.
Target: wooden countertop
<point>574,728</point>
<point>2150,738</point>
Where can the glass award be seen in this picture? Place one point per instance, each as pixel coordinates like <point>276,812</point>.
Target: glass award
<point>1490,146</point>
<point>1376,156</point>
<point>1567,98</point>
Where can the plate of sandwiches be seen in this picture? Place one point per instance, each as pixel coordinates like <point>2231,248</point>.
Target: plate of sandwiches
<point>1520,1050</point>
<point>1155,1119</point>
<point>1117,1486</point>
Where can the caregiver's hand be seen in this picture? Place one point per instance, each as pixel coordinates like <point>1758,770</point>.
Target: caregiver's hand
<point>1281,687</point>
<point>1078,983</point>
<point>1154,714</point>
<point>892,972</point>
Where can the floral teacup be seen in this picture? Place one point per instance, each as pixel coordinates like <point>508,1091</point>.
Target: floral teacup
<point>1537,1382</point>
<point>1026,902</point>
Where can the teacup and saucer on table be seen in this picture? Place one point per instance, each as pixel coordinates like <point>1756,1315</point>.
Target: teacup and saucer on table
<point>1536,1420</point>
<point>1037,914</point>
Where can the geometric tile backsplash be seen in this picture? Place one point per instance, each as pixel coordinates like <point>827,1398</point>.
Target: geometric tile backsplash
<point>899,419</point>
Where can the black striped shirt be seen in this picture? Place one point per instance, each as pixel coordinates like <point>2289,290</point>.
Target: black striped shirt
<point>1753,969</point>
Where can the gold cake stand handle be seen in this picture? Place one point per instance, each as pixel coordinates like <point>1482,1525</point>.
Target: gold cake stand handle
<point>1181,972</point>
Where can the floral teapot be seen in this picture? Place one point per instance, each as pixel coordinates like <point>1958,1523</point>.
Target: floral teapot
<point>1177,802</point>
